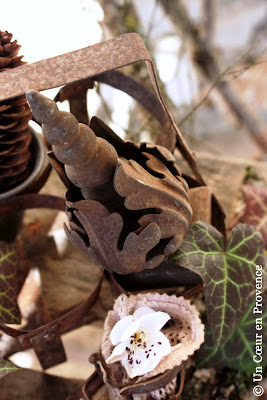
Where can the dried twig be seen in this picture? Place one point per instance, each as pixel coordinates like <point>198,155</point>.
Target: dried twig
<point>238,72</point>
<point>196,107</point>
<point>216,82</point>
<point>207,62</point>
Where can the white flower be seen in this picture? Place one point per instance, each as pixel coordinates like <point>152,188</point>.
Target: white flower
<point>139,344</point>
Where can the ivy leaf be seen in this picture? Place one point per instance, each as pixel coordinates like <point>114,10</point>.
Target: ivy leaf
<point>239,349</point>
<point>7,367</point>
<point>228,273</point>
<point>9,311</point>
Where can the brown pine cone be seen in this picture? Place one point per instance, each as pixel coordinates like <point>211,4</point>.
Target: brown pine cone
<point>15,134</point>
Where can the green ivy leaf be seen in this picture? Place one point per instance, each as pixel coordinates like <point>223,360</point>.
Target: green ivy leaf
<point>7,367</point>
<point>239,349</point>
<point>9,311</point>
<point>228,273</point>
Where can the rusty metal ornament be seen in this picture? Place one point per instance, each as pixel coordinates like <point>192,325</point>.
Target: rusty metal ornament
<point>132,206</point>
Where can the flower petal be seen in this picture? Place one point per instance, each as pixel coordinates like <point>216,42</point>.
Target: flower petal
<point>119,352</point>
<point>130,330</point>
<point>119,328</point>
<point>154,321</point>
<point>161,345</point>
<point>137,366</point>
<point>150,356</point>
<point>152,363</point>
<point>142,311</point>
<point>142,362</point>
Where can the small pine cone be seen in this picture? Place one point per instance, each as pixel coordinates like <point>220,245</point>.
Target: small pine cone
<point>15,134</point>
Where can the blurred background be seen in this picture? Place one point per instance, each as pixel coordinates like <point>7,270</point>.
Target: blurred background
<point>210,57</point>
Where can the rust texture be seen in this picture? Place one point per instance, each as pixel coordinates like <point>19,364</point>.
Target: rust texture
<point>132,207</point>
<point>98,62</point>
<point>30,200</point>
<point>88,389</point>
<point>201,200</point>
<point>71,67</point>
<point>15,134</point>
<point>76,94</point>
<point>113,376</point>
<point>45,340</point>
<point>129,85</point>
<point>152,104</point>
<point>94,387</point>
<point>88,62</point>
<point>90,162</point>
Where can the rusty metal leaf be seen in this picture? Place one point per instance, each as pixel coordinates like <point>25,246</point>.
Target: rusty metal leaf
<point>167,196</point>
<point>104,230</point>
<point>150,225</point>
<point>136,209</point>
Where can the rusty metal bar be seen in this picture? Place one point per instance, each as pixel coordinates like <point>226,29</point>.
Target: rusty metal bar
<point>87,62</point>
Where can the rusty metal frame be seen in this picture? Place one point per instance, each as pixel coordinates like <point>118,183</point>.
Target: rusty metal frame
<point>88,62</point>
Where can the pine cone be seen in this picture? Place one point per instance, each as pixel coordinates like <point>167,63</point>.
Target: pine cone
<point>15,134</point>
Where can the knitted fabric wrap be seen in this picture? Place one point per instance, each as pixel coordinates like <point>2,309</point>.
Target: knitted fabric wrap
<point>184,331</point>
